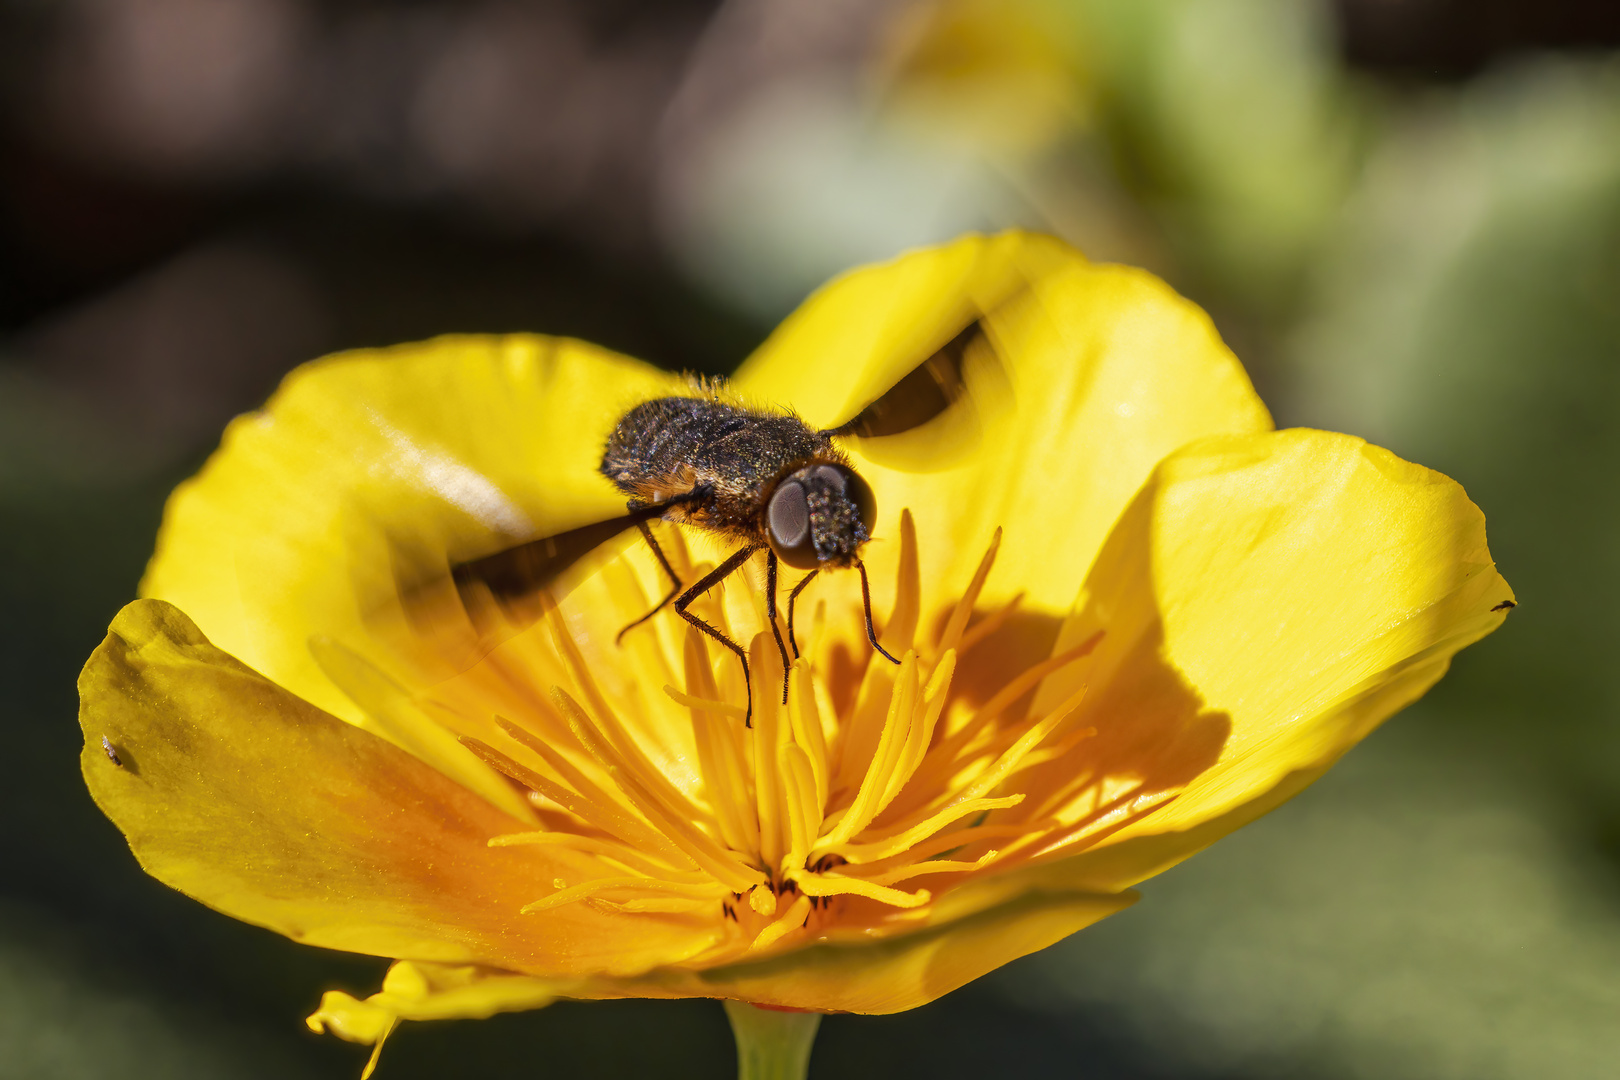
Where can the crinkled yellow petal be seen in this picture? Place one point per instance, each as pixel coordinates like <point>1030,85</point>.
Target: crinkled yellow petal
<point>1267,600</point>
<point>1099,371</point>
<point>368,468</point>
<point>418,990</point>
<point>249,799</point>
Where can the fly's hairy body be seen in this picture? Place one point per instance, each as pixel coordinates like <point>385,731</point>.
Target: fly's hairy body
<point>671,446</point>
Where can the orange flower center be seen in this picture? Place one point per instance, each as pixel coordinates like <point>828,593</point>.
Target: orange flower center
<point>822,818</point>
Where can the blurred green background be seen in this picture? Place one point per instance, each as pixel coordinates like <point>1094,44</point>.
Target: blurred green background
<point>1404,215</point>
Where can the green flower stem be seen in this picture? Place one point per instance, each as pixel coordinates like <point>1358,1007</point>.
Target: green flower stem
<point>771,1044</point>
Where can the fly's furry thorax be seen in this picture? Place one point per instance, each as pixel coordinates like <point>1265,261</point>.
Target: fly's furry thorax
<point>670,446</point>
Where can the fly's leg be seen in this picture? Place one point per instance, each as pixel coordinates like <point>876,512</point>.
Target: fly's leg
<point>709,581</point>
<point>674,581</point>
<point>698,494</point>
<point>866,600</point>
<point>770,613</point>
<point>792,597</point>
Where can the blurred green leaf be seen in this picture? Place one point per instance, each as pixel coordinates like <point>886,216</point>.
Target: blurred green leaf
<point>1233,121</point>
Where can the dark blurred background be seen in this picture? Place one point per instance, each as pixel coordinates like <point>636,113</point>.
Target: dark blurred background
<point>1404,215</point>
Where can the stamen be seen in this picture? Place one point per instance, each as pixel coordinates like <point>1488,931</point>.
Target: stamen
<point>922,728</point>
<point>1023,683</point>
<point>882,849</point>
<point>1077,798</point>
<point>709,892</point>
<point>818,622</point>
<point>658,906</point>
<point>1081,797</point>
<point>901,630</point>
<point>749,843</point>
<point>398,716</point>
<point>865,807</point>
<point>804,810</point>
<point>602,717</point>
<point>773,822</point>
<point>933,866</point>
<point>791,920</point>
<point>512,678</point>
<point>617,852</point>
<point>985,783</point>
<point>598,814</point>
<point>574,776</point>
<point>858,740</point>
<point>839,885</point>
<point>1052,753</point>
<point>705,704</point>
<point>1115,818</point>
<point>990,623</point>
<point>682,832</point>
<point>964,607</point>
<point>720,757</point>
<point>763,900</point>
<point>804,713</point>
<point>951,841</point>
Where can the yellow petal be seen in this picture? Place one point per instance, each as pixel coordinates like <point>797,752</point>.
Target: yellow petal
<point>239,794</point>
<point>417,990</point>
<point>1101,371</point>
<point>414,990</point>
<point>876,975</point>
<point>366,468</point>
<point>891,974</point>
<point>1267,600</point>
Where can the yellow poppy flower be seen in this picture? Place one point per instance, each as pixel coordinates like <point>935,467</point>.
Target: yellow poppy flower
<point>1131,618</point>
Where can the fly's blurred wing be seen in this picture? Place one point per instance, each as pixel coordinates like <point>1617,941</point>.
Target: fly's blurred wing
<point>923,394</point>
<point>522,571</point>
<point>448,621</point>
<point>936,413</point>
<point>464,613</point>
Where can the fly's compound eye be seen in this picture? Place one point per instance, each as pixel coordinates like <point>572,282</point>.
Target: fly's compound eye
<point>845,486</point>
<point>859,492</point>
<point>787,526</point>
<point>820,515</point>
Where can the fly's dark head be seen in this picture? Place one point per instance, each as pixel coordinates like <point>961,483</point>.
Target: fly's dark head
<point>819,516</point>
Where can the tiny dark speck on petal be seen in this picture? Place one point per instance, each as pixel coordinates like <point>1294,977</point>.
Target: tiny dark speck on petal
<point>112,755</point>
<point>1505,605</point>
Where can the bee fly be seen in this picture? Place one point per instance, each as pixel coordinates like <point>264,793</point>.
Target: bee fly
<point>759,478</point>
